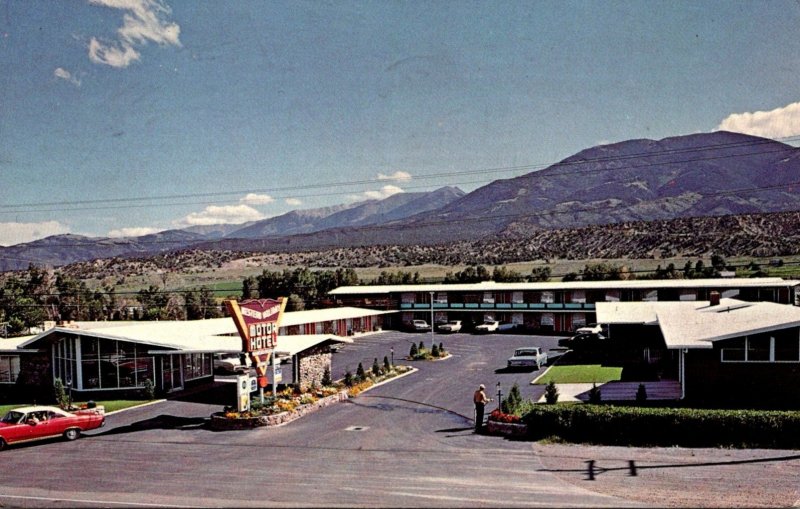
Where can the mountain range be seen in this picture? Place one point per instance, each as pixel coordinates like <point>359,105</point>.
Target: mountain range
<point>710,174</point>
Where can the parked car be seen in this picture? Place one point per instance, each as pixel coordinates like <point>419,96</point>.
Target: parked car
<point>30,423</point>
<point>451,326</point>
<point>487,326</point>
<point>417,326</point>
<point>229,363</point>
<point>582,341</point>
<point>592,328</point>
<point>507,327</point>
<point>527,357</point>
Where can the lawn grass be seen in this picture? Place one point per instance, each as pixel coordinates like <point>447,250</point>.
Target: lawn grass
<point>581,373</point>
<point>109,405</point>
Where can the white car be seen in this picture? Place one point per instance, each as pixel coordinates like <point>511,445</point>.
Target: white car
<point>229,363</point>
<point>528,356</point>
<point>451,326</point>
<point>592,328</point>
<point>417,326</point>
<point>488,326</point>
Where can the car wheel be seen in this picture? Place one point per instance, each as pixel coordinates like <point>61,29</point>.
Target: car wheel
<point>72,434</point>
<point>3,444</point>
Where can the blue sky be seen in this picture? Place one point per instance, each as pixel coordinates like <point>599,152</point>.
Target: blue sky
<point>131,116</point>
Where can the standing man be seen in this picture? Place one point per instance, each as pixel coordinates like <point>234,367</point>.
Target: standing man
<point>480,399</point>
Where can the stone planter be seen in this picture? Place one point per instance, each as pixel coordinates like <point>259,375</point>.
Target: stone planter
<point>221,423</point>
<point>506,428</point>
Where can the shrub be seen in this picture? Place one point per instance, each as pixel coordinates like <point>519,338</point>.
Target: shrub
<point>442,351</point>
<point>655,426</point>
<point>511,403</point>
<point>360,374</point>
<point>149,389</point>
<point>326,377</point>
<point>60,394</point>
<point>413,352</point>
<point>386,366</point>
<point>551,393</point>
<point>348,379</point>
<point>594,395</point>
<point>641,394</point>
<point>376,368</point>
<point>435,351</point>
<point>421,346</point>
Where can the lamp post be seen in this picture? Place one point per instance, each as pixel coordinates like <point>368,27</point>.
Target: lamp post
<point>499,395</point>
<point>391,349</point>
<point>432,339</point>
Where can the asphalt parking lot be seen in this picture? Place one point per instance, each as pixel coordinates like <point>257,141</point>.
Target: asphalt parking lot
<point>408,443</point>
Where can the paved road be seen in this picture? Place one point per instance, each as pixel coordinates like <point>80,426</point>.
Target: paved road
<point>408,443</point>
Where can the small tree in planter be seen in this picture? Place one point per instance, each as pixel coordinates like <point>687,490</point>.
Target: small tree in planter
<point>348,379</point>
<point>326,377</point>
<point>60,394</point>
<point>442,351</point>
<point>386,366</point>
<point>413,352</point>
<point>420,347</point>
<point>594,394</point>
<point>376,368</point>
<point>435,350</point>
<point>360,374</point>
<point>551,393</point>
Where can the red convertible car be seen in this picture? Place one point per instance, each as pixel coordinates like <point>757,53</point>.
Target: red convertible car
<point>39,422</point>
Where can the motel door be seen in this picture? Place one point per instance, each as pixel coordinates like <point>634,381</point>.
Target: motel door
<point>171,376</point>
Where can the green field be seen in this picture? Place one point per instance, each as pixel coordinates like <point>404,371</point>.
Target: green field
<point>581,373</point>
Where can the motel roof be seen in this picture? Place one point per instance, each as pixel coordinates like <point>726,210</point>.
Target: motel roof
<point>198,336</point>
<point>643,284</point>
<point>697,324</point>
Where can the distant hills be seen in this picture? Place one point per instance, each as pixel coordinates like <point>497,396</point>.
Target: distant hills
<point>699,175</point>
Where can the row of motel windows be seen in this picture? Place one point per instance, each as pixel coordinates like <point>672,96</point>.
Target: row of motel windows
<point>112,364</point>
<point>573,296</point>
<point>9,368</point>
<point>538,320</point>
<point>773,347</point>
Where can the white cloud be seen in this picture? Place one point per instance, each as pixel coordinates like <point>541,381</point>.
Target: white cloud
<point>778,123</point>
<point>65,75</point>
<point>399,176</point>
<point>229,214</point>
<point>294,202</point>
<point>384,192</point>
<point>133,232</point>
<point>256,199</point>
<point>142,22</point>
<point>18,233</point>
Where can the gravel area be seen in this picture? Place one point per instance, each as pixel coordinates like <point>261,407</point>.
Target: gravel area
<point>680,477</point>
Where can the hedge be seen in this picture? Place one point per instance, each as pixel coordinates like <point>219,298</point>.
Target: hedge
<point>644,426</point>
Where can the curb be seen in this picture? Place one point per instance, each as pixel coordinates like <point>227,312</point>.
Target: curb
<point>155,401</point>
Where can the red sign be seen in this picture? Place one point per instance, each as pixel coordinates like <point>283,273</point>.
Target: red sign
<point>257,322</point>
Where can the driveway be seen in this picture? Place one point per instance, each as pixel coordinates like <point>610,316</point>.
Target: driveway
<point>408,443</point>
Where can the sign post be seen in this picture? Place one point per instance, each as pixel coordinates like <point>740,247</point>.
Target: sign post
<point>257,321</point>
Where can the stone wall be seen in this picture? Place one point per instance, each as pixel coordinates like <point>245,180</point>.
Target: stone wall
<point>312,364</point>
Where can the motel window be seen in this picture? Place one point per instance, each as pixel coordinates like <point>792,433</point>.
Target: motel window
<point>787,349</point>
<point>196,365</point>
<point>775,347</point>
<point>111,364</point>
<point>9,368</point>
<point>734,350</point>
<point>758,348</point>
<point>64,360</point>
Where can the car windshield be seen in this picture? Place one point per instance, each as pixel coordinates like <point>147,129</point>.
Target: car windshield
<point>12,417</point>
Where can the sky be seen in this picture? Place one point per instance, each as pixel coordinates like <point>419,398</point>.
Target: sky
<point>126,117</point>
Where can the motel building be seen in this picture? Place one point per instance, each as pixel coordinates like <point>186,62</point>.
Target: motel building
<point>110,359</point>
<point>548,307</point>
<point>722,351</point>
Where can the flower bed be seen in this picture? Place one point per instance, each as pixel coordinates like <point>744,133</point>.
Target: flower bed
<point>235,420</point>
<point>290,405</point>
<point>500,423</point>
